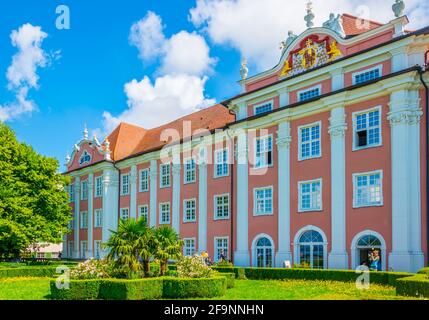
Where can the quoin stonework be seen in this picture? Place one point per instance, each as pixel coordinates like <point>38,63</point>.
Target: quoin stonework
<point>318,161</point>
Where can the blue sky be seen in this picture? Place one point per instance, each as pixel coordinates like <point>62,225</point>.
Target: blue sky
<point>94,73</point>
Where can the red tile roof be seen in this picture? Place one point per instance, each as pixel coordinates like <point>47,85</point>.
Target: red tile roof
<point>353,25</point>
<point>128,140</point>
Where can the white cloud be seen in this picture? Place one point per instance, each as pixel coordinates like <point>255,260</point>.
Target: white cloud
<point>256,27</point>
<point>152,104</point>
<point>22,73</point>
<point>178,90</point>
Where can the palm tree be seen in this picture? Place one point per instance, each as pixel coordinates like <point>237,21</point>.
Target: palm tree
<point>134,239</point>
<point>168,246</point>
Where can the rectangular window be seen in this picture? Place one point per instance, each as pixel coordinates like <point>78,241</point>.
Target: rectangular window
<point>125,184</point>
<point>84,220</point>
<point>367,75</point>
<point>263,201</point>
<point>97,251</point>
<point>125,213</point>
<point>164,213</point>
<point>310,195</point>
<point>71,192</point>
<point>264,151</point>
<point>221,248</point>
<point>83,249</point>
<point>165,175</point>
<point>221,206</point>
<point>144,180</point>
<point>368,189</point>
<point>98,186</point>
<point>189,210</point>
<point>144,212</point>
<point>309,141</point>
<point>367,129</point>
<point>263,108</point>
<point>70,249</point>
<point>98,223</point>
<point>188,246</point>
<point>190,170</point>
<point>84,190</point>
<point>71,224</point>
<point>309,93</point>
<point>221,167</point>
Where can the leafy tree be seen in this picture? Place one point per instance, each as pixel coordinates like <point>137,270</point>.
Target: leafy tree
<point>168,246</point>
<point>33,202</point>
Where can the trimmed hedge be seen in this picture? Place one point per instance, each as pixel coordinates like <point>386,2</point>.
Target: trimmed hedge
<point>415,286</point>
<point>78,290</point>
<point>194,288</point>
<point>47,271</point>
<point>138,289</point>
<point>230,279</point>
<point>424,271</point>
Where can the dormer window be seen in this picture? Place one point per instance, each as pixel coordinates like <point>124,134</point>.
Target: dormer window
<point>84,158</point>
<point>310,93</point>
<point>367,75</point>
<point>263,108</point>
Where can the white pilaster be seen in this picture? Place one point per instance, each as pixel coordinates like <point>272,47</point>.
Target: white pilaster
<point>404,117</point>
<point>133,192</point>
<point>399,59</point>
<point>338,258</point>
<point>241,255</point>
<point>90,214</point>
<point>240,110</point>
<point>153,192</point>
<point>110,204</point>
<point>202,200</point>
<point>283,97</point>
<point>337,79</point>
<point>283,149</point>
<point>76,219</point>
<point>176,192</point>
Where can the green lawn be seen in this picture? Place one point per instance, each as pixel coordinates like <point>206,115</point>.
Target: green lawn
<point>38,288</point>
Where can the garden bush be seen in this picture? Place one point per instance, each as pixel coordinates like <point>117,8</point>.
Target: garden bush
<point>78,290</point>
<point>174,288</point>
<point>414,286</point>
<point>138,289</point>
<point>47,271</point>
<point>230,279</point>
<point>91,269</point>
<point>193,267</point>
<point>424,271</point>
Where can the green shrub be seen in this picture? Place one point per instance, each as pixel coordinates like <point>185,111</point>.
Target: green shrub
<point>424,271</point>
<point>47,271</point>
<point>138,289</point>
<point>238,271</point>
<point>230,279</point>
<point>193,267</point>
<point>414,286</point>
<point>194,288</point>
<point>91,269</point>
<point>78,290</point>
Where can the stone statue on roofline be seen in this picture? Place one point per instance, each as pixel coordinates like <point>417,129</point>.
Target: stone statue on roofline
<point>335,24</point>
<point>290,38</point>
<point>398,8</point>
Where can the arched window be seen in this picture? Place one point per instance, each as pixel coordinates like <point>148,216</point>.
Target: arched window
<point>264,252</point>
<point>369,241</point>
<point>369,246</point>
<point>311,249</point>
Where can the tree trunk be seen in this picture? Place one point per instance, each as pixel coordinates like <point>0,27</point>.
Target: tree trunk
<point>162,267</point>
<point>146,268</point>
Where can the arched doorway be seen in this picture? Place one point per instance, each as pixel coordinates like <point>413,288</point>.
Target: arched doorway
<point>310,248</point>
<point>263,252</point>
<point>364,245</point>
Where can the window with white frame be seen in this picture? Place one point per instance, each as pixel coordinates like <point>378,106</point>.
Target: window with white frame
<point>189,208</point>
<point>368,190</point>
<point>264,151</point>
<point>125,184</point>
<point>144,212</point>
<point>164,213</point>
<point>189,246</point>
<point>367,129</point>
<point>309,93</point>
<point>70,249</point>
<point>190,170</point>
<point>84,220</point>
<point>71,192</point>
<point>310,195</point>
<point>221,206</point>
<point>98,223</point>
<point>71,224</point>
<point>263,201</point>
<point>367,75</point>
<point>221,248</point>
<point>97,247</point>
<point>165,175</point>
<point>98,186</point>
<point>263,108</point>
<point>309,141</point>
<point>125,213</point>
<point>144,180</point>
<point>84,190</point>
<point>221,168</point>
<point>83,249</point>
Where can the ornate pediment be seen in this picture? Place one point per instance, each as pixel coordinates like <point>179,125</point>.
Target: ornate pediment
<point>84,158</point>
<point>312,52</point>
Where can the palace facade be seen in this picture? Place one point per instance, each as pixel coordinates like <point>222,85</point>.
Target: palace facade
<point>319,161</point>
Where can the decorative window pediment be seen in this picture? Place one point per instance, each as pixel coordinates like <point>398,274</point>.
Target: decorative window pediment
<point>84,158</point>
